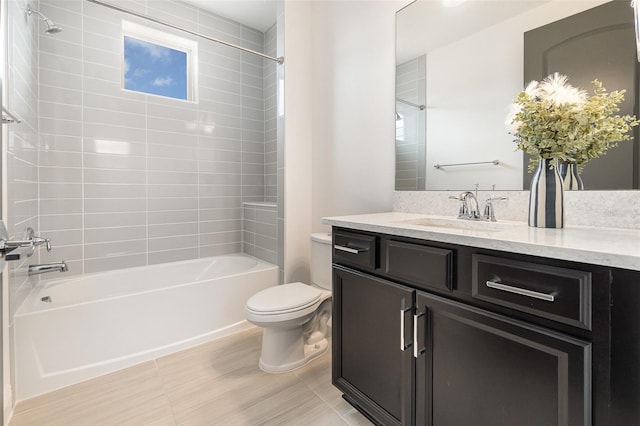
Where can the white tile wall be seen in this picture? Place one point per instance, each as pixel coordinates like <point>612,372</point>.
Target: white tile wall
<point>270,119</point>
<point>128,179</point>
<point>117,178</point>
<point>22,157</point>
<point>260,231</point>
<point>411,149</point>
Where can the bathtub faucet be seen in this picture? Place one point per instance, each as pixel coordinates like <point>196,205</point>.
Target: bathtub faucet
<point>48,267</point>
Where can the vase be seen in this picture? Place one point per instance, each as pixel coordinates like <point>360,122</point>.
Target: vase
<point>571,177</point>
<point>546,198</point>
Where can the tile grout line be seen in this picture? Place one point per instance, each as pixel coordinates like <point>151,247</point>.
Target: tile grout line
<point>164,390</point>
<point>320,397</point>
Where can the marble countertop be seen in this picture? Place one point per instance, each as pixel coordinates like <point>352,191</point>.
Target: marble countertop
<point>616,247</point>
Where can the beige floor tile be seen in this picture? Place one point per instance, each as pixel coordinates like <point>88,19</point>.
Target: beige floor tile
<point>233,393</point>
<point>317,375</point>
<point>236,353</point>
<point>293,404</point>
<point>130,396</point>
<point>354,418</point>
<point>218,383</point>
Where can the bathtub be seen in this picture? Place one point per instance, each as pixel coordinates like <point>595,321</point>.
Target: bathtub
<point>77,328</point>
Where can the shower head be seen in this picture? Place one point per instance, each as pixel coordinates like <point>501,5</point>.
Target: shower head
<point>52,28</point>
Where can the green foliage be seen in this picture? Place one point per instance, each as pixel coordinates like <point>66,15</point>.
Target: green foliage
<point>570,132</point>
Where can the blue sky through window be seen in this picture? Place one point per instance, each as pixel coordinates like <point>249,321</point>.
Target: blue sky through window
<point>152,68</point>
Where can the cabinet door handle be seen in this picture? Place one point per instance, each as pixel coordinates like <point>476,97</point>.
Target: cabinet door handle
<point>349,249</point>
<point>403,345</point>
<point>417,352</point>
<point>522,291</point>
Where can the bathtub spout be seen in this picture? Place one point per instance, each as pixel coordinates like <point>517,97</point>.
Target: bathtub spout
<point>48,267</point>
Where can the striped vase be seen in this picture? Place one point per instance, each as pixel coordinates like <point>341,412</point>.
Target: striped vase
<point>546,199</point>
<point>571,177</point>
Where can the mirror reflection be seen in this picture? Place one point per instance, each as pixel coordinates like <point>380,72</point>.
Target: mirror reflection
<point>465,65</point>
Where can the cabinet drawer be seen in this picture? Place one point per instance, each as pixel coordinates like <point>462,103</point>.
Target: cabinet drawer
<point>421,265</point>
<point>355,249</point>
<point>559,294</point>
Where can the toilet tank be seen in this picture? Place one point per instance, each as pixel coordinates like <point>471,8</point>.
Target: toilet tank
<point>321,260</point>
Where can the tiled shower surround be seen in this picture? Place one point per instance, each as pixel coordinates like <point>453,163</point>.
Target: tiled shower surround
<point>260,231</point>
<point>117,178</point>
<point>411,80</point>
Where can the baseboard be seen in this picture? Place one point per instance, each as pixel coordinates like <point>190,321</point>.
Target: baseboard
<point>7,406</point>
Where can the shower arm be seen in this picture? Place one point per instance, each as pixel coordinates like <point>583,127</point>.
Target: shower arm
<point>32,11</point>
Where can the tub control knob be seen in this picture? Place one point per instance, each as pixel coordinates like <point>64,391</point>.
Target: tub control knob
<point>15,249</point>
<point>39,240</point>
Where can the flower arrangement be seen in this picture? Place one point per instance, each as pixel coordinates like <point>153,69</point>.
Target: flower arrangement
<point>552,119</point>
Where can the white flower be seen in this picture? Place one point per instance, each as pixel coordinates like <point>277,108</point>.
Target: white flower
<point>510,122</point>
<point>556,89</point>
<point>532,90</point>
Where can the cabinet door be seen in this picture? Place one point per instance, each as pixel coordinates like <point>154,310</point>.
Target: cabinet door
<point>483,369</point>
<point>369,365</point>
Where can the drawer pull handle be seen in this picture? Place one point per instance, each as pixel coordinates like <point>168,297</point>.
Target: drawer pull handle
<point>416,352</point>
<point>403,345</point>
<point>521,291</point>
<point>349,249</point>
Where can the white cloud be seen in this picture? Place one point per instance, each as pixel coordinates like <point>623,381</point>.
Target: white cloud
<point>140,72</point>
<point>153,50</point>
<point>163,81</point>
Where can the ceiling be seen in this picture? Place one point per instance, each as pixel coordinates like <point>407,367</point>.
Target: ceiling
<point>426,25</point>
<point>258,14</point>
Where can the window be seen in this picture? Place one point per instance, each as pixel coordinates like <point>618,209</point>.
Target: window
<point>158,63</point>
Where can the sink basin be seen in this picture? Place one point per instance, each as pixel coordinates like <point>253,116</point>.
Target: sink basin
<point>453,223</point>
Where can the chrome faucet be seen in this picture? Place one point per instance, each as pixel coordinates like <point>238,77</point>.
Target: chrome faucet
<point>469,209</point>
<point>468,206</point>
<point>14,249</point>
<point>48,267</point>
<point>489,211</point>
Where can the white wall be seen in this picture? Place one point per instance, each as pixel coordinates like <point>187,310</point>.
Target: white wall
<point>465,115</point>
<point>297,140</point>
<point>354,89</point>
<point>339,131</point>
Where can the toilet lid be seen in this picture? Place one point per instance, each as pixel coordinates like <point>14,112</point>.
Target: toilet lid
<point>284,298</point>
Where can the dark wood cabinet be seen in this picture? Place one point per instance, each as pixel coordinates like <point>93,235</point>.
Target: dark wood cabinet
<point>369,365</point>
<point>430,333</point>
<point>479,368</point>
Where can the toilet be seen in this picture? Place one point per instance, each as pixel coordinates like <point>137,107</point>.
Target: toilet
<point>295,316</point>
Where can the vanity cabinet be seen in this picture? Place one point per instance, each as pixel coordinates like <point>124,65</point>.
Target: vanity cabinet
<point>370,367</point>
<point>429,333</point>
<point>478,368</point>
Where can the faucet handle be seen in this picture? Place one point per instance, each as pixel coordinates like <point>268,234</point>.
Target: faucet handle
<point>463,212</point>
<point>497,199</point>
<point>40,240</point>
<point>15,249</point>
<point>489,211</point>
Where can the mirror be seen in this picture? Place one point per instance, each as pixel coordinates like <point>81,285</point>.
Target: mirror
<point>464,66</point>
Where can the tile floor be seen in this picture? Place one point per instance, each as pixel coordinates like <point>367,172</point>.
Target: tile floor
<point>218,383</point>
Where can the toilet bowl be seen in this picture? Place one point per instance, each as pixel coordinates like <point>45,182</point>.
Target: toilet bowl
<point>295,316</point>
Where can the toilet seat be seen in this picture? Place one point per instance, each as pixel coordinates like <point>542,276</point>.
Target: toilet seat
<point>284,299</point>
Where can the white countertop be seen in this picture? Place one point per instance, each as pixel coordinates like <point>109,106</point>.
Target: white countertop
<point>614,247</point>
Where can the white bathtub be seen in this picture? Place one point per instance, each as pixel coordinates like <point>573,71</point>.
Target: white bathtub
<point>99,323</point>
